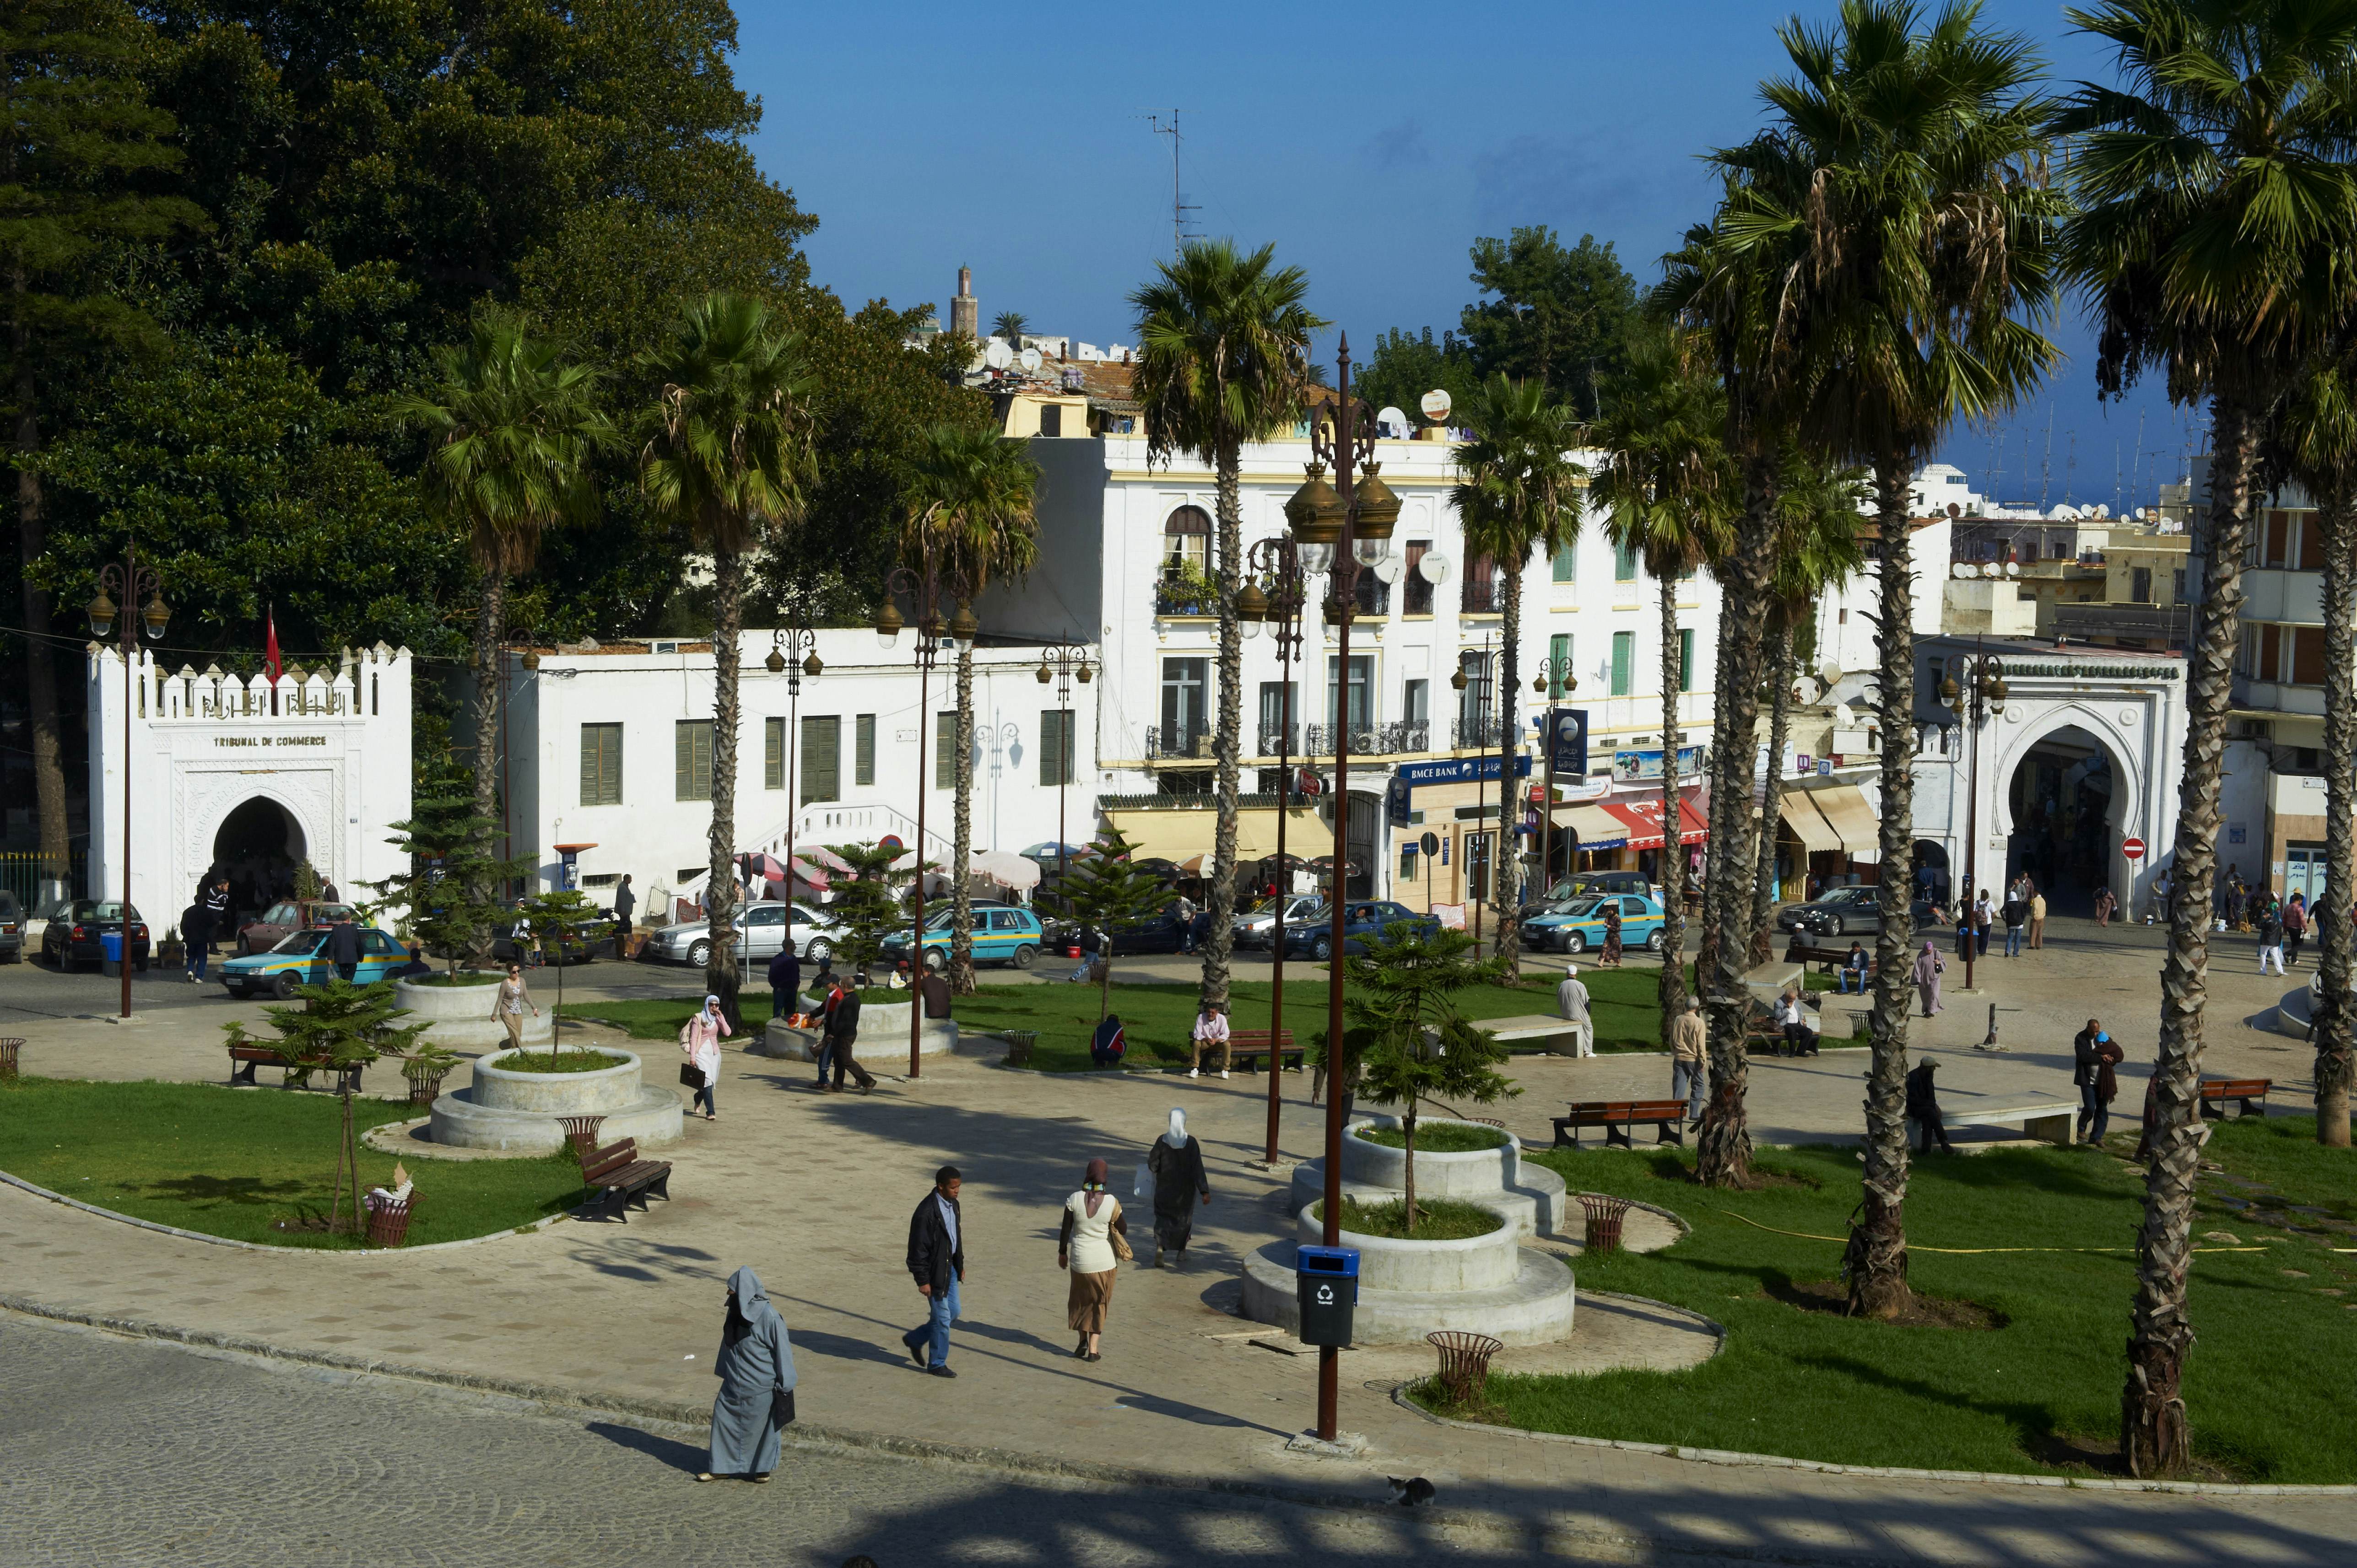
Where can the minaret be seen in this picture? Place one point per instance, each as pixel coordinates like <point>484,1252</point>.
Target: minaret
<point>965,311</point>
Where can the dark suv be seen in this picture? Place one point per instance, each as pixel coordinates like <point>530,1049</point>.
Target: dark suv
<point>75,929</point>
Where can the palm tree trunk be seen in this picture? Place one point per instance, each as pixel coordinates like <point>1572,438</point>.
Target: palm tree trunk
<point>1876,1260</point>
<point>1707,940</point>
<point>1506,902</point>
<point>1779,717</point>
<point>1723,1144</point>
<point>961,982</point>
<point>1220,897</point>
<point>491,630</point>
<point>2338,516</point>
<point>2153,1439</point>
<point>1672,989</point>
<point>40,660</point>
<point>720,885</point>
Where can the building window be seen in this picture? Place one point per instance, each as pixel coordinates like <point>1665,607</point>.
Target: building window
<point>1484,592</point>
<point>1685,659</point>
<point>1415,701</point>
<point>1416,593</point>
<point>1051,419</point>
<point>1363,680</point>
<point>2306,655</point>
<point>601,765</point>
<point>822,777</point>
<point>692,759</point>
<point>1275,739</point>
<point>1183,712</point>
<point>945,750</point>
<point>1624,563</point>
<point>1564,562</point>
<point>2278,544</point>
<point>1473,704</point>
<point>1187,543</point>
<point>1624,656</point>
<point>1055,729</point>
<point>2140,586</point>
<point>773,753</point>
<point>863,749</point>
<point>2178,589</point>
<point>1841,617</point>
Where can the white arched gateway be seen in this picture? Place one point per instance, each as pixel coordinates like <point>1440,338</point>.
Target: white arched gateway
<point>249,777</point>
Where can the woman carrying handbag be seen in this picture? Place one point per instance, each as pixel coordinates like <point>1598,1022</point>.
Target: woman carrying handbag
<point>700,1042</point>
<point>1094,1239</point>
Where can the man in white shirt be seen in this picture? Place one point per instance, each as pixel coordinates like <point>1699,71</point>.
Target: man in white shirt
<point>1571,1002</point>
<point>1211,1035</point>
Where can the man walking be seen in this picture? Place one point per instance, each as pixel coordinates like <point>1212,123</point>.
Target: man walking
<point>1571,1002</point>
<point>841,1033</point>
<point>344,946</point>
<point>2093,1055</point>
<point>216,904</point>
<point>2270,924</point>
<point>2017,915</point>
<point>937,1263</point>
<point>197,937</point>
<point>1688,1041</point>
<point>1210,1037</point>
<point>2037,917</point>
<point>626,904</point>
<point>785,983</point>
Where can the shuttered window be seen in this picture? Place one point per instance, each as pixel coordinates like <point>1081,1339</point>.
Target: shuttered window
<point>1056,726</point>
<point>601,765</point>
<point>945,750</point>
<point>862,745</point>
<point>1624,654</point>
<point>1685,659</point>
<point>773,753</point>
<point>692,759</point>
<point>822,770</point>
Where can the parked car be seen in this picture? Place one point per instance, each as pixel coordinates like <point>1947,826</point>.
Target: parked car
<point>301,959</point>
<point>1587,884</point>
<point>582,942</point>
<point>75,931</point>
<point>1003,933</point>
<point>1578,925</point>
<point>1256,927</point>
<point>762,927</point>
<point>285,918</point>
<point>1849,912</point>
<point>12,929</point>
<point>1362,918</point>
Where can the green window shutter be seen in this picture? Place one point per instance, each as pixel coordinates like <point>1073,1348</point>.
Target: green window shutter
<point>1056,726</point>
<point>863,732</point>
<point>1624,653</point>
<point>1685,659</point>
<point>821,761</point>
<point>1624,564</point>
<point>1567,563</point>
<point>945,750</point>
<point>773,753</point>
<point>1558,663</point>
<point>692,760</point>
<point>601,765</point>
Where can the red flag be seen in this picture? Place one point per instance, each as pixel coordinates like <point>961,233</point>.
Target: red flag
<point>269,662</point>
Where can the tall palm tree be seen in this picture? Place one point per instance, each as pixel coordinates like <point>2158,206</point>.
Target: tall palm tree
<point>1518,491</point>
<point>515,428</point>
<point>728,460</point>
<point>1667,492</point>
<point>1927,264</point>
<point>1222,358</point>
<point>969,492</point>
<point>1010,325</point>
<point>2216,204</point>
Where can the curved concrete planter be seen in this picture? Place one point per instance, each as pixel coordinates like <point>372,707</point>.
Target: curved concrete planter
<point>883,1037</point>
<point>1531,1195</point>
<point>1474,1262</point>
<point>516,1113</point>
<point>458,1017</point>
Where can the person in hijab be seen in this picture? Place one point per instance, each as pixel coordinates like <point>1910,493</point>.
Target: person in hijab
<point>699,1041</point>
<point>1926,975</point>
<point>1571,1002</point>
<point>1610,958</point>
<point>756,1368</point>
<point>1085,1249</point>
<point>1176,1163</point>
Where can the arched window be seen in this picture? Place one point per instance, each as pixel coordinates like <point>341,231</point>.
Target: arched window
<point>1187,543</point>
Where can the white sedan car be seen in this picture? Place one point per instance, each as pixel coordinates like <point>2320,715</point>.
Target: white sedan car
<point>762,927</point>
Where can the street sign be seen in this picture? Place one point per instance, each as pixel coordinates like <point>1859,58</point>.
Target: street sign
<point>2132,848</point>
<point>891,841</point>
<point>1430,843</point>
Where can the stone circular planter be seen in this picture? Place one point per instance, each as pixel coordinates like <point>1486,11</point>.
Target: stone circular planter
<point>1385,1263</point>
<point>516,1112</point>
<point>459,1016</point>
<point>606,1089</point>
<point>883,1034</point>
<point>1473,1175</point>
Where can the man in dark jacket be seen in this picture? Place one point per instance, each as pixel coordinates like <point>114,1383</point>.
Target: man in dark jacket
<point>626,904</point>
<point>216,902</point>
<point>937,1263</point>
<point>2093,1054</point>
<point>344,946</point>
<point>197,937</point>
<point>842,1034</point>
<point>785,983</point>
<point>1923,1108</point>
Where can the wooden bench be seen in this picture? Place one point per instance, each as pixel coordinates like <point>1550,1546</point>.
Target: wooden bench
<point>347,1080</point>
<point>1805,950</point>
<point>2218,1091</point>
<point>1619,1117</point>
<point>621,1179</point>
<point>1246,1046</point>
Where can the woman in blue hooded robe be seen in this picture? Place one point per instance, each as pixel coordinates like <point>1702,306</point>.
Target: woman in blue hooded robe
<point>756,1367</point>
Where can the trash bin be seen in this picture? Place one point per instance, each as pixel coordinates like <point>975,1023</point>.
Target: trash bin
<point>110,950</point>
<point>1327,1280</point>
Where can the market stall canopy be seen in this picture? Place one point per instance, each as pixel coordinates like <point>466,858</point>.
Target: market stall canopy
<point>1851,817</point>
<point>1003,867</point>
<point>1596,827</point>
<point>1644,820</point>
<point>1808,824</point>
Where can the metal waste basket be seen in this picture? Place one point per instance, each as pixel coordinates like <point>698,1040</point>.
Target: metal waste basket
<point>1327,1278</point>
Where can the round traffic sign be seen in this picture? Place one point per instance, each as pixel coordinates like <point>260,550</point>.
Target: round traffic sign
<point>2132,848</point>
<point>891,841</point>
<point>1430,843</point>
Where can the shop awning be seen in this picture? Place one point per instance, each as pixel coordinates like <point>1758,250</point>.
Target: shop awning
<point>1181,835</point>
<point>1850,816</point>
<point>1594,827</point>
<point>1808,824</point>
<point>1644,820</point>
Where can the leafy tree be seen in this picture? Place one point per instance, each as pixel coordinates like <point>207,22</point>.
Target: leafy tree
<point>1403,367</point>
<point>1414,1044</point>
<point>1223,359</point>
<point>557,914</point>
<point>727,461</point>
<point>1108,892</point>
<point>1011,326</point>
<point>2217,208</point>
<point>867,905</point>
<point>970,494</point>
<point>338,1024</point>
<point>445,899</point>
<point>85,161</point>
<point>1560,317</point>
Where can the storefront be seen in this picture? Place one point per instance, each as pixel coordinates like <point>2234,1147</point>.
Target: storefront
<point>1442,826</point>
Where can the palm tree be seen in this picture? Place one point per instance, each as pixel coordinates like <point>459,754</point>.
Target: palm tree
<point>515,428</point>
<point>1223,359</point>
<point>969,492</point>
<point>1667,491</point>
<point>1009,325</point>
<point>728,460</point>
<point>2216,204</point>
<point>1519,491</point>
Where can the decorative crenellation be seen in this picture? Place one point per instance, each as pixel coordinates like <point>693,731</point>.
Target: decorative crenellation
<point>354,688</point>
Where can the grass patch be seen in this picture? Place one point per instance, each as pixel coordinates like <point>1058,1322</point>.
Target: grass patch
<point>1436,1220</point>
<point>2281,1155</point>
<point>231,1162</point>
<point>580,1059</point>
<point>661,1018</point>
<point>1436,1137</point>
<point>2039,1392</point>
<point>464,977</point>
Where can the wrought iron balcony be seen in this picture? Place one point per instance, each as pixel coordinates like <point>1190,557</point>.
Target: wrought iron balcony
<point>1276,740</point>
<point>1192,741</point>
<point>1399,739</point>
<point>1483,734</point>
<point>1181,595</point>
<point>1485,597</point>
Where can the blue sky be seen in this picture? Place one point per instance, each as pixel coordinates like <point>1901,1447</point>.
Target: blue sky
<point>1369,143</point>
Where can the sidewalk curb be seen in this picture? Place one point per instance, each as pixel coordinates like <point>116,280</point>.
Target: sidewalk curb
<point>22,1185</point>
<point>1887,1473</point>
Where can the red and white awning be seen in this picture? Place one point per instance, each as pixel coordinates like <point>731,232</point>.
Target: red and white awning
<point>1644,819</point>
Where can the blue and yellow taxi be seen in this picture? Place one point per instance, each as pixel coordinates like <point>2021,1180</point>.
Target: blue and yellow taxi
<point>1578,925</point>
<point>300,957</point>
<point>1003,933</point>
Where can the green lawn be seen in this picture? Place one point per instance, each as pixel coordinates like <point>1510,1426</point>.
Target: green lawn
<point>663,1017</point>
<point>2271,1388</point>
<point>231,1162</point>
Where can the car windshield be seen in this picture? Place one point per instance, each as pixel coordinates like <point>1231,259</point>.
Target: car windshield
<point>301,943</point>
<point>1579,908</point>
<point>9,908</point>
<point>109,909</point>
<point>940,922</point>
<point>1849,896</point>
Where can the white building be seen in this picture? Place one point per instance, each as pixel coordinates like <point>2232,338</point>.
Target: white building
<point>247,776</point>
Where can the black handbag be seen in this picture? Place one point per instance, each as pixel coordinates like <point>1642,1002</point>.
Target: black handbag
<point>782,1407</point>
<point>691,1075</point>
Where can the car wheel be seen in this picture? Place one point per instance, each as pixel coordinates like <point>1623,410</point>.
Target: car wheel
<point>1573,942</point>
<point>936,961</point>
<point>1653,943</point>
<point>1026,956</point>
<point>820,951</point>
<point>1833,929</point>
<point>1322,948</point>
<point>699,954</point>
<point>284,985</point>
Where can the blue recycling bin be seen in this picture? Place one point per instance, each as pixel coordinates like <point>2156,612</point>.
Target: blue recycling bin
<point>110,951</point>
<point>1327,1281</point>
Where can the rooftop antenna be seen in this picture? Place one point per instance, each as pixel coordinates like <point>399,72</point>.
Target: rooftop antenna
<point>2046,464</point>
<point>2115,477</point>
<point>2136,465</point>
<point>2070,464</point>
<point>1180,205</point>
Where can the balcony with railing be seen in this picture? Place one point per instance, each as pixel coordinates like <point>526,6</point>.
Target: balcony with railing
<point>1400,738</point>
<point>1481,734</point>
<point>1184,592</point>
<point>1278,740</point>
<point>1174,743</point>
<point>1482,596</point>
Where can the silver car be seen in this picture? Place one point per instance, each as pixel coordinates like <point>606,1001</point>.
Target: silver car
<point>1256,927</point>
<point>761,929</point>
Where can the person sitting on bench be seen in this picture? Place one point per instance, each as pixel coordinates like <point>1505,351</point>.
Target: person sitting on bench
<point>1853,969</point>
<point>1923,1108</point>
<point>1794,1017</point>
<point>1106,1046</point>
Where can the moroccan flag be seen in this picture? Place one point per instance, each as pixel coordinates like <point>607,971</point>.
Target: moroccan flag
<point>270,660</point>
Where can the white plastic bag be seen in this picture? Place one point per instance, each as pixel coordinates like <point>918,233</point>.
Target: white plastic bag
<point>1142,1186</point>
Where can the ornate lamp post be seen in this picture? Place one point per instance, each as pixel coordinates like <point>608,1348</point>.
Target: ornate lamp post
<point>130,579</point>
<point>927,588</point>
<point>788,640</point>
<point>1981,699</point>
<point>1481,738</point>
<point>1554,673</point>
<point>1277,563</point>
<point>1061,663</point>
<point>1339,529</point>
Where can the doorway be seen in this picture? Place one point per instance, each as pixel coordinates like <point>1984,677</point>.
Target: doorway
<point>2062,798</point>
<point>259,845</point>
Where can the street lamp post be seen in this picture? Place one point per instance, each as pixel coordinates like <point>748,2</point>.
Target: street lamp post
<point>788,640</point>
<point>1060,661</point>
<point>1339,529</point>
<point>1480,780</point>
<point>1277,562</point>
<point>1981,697</point>
<point>927,588</point>
<point>1553,672</point>
<point>130,579</point>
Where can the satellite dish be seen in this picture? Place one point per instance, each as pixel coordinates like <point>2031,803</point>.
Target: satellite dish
<point>1390,569</point>
<point>1964,569</point>
<point>1830,674</point>
<point>1955,511</point>
<point>1436,404</point>
<point>997,354</point>
<point>1435,569</point>
<point>1030,359</point>
<point>2013,568</point>
<point>1392,422</point>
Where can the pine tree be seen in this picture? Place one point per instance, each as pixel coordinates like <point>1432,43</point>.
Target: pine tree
<point>1109,892</point>
<point>868,903</point>
<point>442,900</point>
